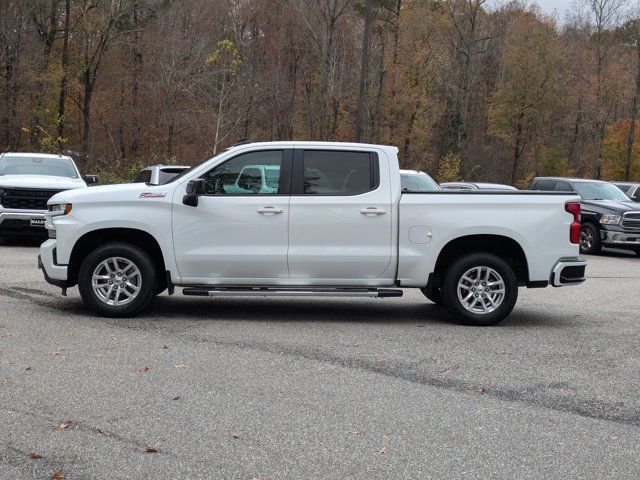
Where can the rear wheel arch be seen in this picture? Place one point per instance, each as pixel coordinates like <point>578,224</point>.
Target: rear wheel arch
<point>501,246</point>
<point>92,240</point>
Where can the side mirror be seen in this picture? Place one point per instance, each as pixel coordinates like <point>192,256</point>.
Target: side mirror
<point>195,188</point>
<point>91,179</point>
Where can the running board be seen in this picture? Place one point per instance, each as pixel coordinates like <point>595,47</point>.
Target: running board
<point>290,292</point>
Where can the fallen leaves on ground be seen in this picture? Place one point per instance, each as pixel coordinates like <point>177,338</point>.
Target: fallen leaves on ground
<point>235,435</point>
<point>353,432</point>
<point>383,450</point>
<point>143,369</point>
<point>177,397</point>
<point>481,390</point>
<point>64,425</point>
<point>58,474</point>
<point>104,432</point>
<point>28,369</point>
<point>165,347</point>
<point>181,366</point>
<point>149,450</point>
<point>34,455</point>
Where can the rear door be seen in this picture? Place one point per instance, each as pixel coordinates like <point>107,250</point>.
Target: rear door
<point>340,218</point>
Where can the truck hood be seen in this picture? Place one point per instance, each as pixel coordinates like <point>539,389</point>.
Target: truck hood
<point>609,206</point>
<point>111,193</point>
<point>40,181</point>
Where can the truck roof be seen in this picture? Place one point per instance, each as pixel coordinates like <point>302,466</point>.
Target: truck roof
<point>35,154</point>
<point>572,179</point>
<point>308,144</point>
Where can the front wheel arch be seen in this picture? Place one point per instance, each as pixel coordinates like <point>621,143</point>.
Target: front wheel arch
<point>90,240</point>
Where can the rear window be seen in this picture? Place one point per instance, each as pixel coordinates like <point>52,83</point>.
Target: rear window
<point>339,173</point>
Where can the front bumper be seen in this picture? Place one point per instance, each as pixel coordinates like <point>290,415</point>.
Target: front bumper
<point>568,272</point>
<point>18,222</point>
<point>620,238</point>
<point>53,273</point>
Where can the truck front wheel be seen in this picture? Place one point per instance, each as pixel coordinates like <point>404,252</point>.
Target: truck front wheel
<point>479,289</point>
<point>117,280</point>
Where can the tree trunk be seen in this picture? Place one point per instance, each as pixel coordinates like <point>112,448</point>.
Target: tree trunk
<point>86,110</point>
<point>634,116</point>
<point>364,71</point>
<point>64,80</point>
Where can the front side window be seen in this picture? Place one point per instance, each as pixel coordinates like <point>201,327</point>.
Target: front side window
<point>338,173</point>
<point>24,165</point>
<point>253,173</point>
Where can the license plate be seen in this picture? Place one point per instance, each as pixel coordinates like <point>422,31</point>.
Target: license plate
<point>37,222</point>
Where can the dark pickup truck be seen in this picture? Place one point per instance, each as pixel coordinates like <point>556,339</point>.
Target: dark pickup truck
<point>609,217</point>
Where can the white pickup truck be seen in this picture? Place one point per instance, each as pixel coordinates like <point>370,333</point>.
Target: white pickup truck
<point>27,181</point>
<point>337,224</point>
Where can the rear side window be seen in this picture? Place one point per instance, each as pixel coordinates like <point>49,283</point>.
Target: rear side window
<point>143,177</point>
<point>546,185</point>
<point>339,173</point>
<point>624,188</point>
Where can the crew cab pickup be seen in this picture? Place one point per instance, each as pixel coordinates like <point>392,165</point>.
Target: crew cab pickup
<point>27,181</point>
<point>338,224</point>
<point>609,217</point>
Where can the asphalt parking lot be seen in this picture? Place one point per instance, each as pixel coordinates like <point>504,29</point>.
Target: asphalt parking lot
<point>320,388</point>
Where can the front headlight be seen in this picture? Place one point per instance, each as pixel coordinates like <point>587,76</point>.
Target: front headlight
<point>610,219</point>
<point>60,209</point>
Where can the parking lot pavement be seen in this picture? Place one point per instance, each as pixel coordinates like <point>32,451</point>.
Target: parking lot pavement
<point>320,388</point>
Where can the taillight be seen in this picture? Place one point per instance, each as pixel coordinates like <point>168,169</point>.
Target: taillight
<point>574,230</point>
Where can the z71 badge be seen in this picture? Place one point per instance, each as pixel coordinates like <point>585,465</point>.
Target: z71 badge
<point>152,195</point>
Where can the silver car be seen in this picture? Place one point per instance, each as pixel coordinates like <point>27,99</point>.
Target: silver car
<point>159,174</point>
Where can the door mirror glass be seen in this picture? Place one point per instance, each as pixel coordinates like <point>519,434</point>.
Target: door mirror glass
<point>194,189</point>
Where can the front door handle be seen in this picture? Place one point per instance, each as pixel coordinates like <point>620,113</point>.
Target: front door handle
<point>372,211</point>
<point>270,210</point>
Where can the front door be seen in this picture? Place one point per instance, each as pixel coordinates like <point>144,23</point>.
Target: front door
<point>340,220</point>
<point>238,231</point>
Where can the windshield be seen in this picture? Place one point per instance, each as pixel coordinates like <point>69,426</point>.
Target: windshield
<point>600,191</point>
<point>52,167</point>
<point>418,182</point>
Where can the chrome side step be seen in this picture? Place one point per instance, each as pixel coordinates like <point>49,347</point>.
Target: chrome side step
<point>290,292</point>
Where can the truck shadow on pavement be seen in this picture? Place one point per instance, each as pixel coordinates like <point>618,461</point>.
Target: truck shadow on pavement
<point>327,310</point>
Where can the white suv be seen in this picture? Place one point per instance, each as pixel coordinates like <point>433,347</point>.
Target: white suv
<point>27,181</point>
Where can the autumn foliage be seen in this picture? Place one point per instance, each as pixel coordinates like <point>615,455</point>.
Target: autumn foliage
<point>467,89</point>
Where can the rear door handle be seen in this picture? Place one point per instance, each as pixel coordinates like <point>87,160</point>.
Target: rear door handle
<point>372,211</point>
<point>270,210</point>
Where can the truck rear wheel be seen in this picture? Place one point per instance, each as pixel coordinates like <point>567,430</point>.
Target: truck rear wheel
<point>117,280</point>
<point>479,289</point>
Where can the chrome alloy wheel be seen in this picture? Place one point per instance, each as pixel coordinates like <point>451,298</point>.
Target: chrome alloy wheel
<point>586,239</point>
<point>116,281</point>
<point>481,290</point>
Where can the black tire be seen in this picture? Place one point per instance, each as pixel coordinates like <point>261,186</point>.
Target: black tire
<point>590,239</point>
<point>131,253</point>
<point>637,252</point>
<point>432,294</point>
<point>454,304</point>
